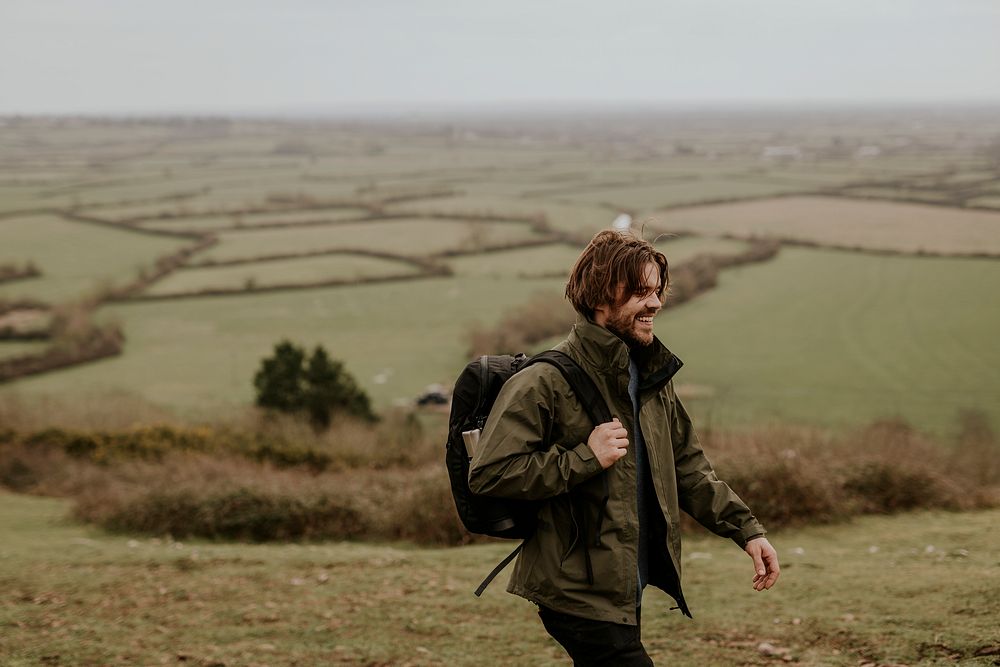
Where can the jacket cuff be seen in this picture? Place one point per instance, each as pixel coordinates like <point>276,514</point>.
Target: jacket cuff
<point>749,532</point>
<point>591,465</point>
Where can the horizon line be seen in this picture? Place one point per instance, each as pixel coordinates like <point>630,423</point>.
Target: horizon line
<point>487,108</point>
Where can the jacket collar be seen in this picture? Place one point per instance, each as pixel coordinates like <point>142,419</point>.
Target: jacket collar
<point>609,354</point>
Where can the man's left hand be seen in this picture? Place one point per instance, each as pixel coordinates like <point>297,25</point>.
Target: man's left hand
<point>765,562</point>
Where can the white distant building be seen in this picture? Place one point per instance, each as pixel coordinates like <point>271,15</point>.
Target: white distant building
<point>781,153</point>
<point>622,223</point>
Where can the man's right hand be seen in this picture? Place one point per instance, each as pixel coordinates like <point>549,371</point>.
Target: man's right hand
<point>609,442</point>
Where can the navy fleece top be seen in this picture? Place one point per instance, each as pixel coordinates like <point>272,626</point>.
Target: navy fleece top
<point>642,487</point>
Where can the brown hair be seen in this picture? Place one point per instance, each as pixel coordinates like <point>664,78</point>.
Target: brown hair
<point>611,261</point>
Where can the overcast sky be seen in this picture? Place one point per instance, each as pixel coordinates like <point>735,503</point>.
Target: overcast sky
<point>329,56</point>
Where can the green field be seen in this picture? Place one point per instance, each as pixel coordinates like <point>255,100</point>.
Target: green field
<point>209,223</point>
<point>16,348</point>
<point>281,272</point>
<point>822,337</point>
<point>651,197</point>
<point>410,237</point>
<point>558,259</point>
<point>842,222</point>
<point>193,354</point>
<point>915,589</point>
<point>75,258</point>
<point>832,338</point>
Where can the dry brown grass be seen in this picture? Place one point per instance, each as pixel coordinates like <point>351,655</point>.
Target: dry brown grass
<point>800,475</point>
<point>388,481</point>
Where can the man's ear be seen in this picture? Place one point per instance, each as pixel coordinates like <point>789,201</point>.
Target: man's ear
<point>601,314</point>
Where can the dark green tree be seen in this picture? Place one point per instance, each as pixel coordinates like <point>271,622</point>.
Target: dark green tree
<point>319,387</point>
<point>330,388</point>
<point>280,382</point>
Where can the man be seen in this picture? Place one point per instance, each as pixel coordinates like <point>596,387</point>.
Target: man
<point>613,493</point>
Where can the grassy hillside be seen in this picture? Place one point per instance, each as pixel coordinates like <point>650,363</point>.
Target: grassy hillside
<point>197,353</point>
<point>859,337</point>
<point>823,337</point>
<point>915,589</point>
<point>834,338</point>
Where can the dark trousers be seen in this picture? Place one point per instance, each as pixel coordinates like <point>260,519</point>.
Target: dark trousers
<point>590,642</point>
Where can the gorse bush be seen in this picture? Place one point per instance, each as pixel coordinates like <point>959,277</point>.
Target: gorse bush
<point>153,443</point>
<point>280,480</point>
<point>399,439</point>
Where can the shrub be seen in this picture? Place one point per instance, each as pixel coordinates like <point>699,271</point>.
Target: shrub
<point>329,387</point>
<point>522,327</point>
<point>886,487</point>
<point>241,514</point>
<point>279,381</point>
<point>319,387</point>
<point>976,450</point>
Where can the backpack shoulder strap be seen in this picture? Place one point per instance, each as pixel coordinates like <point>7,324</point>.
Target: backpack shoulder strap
<point>597,409</point>
<point>579,381</point>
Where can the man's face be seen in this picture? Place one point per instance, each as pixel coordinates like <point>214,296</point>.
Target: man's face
<point>632,321</point>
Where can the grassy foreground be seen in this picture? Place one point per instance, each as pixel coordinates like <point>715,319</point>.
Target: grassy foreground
<point>912,589</point>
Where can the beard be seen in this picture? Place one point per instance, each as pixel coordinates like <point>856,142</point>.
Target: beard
<point>626,327</point>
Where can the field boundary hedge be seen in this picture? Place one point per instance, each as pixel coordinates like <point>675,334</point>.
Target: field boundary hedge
<point>961,204</point>
<point>879,252</point>
<point>131,227</point>
<point>255,289</point>
<point>422,263</point>
<point>74,338</point>
<point>10,329</point>
<point>11,272</point>
<point>277,205</point>
<point>535,223</point>
<point>91,344</point>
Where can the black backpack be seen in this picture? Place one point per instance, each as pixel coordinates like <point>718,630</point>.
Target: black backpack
<point>475,391</point>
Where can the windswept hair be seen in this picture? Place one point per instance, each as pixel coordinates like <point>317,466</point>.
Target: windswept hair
<point>611,261</point>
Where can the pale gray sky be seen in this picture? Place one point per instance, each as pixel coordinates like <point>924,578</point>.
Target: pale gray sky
<point>328,56</point>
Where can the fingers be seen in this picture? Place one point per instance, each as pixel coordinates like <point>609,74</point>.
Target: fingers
<point>609,442</point>
<point>765,563</point>
<point>760,572</point>
<point>773,569</point>
<point>758,564</point>
<point>615,433</point>
<point>614,426</point>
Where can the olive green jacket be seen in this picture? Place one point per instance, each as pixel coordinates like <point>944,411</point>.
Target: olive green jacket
<point>534,447</point>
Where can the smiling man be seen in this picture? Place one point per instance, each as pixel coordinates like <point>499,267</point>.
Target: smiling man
<point>609,520</point>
